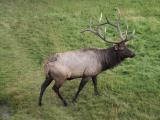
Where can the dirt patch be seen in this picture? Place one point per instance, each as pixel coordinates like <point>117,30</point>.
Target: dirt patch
<point>4,112</point>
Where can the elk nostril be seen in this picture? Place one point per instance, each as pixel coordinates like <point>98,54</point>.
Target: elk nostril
<point>133,55</point>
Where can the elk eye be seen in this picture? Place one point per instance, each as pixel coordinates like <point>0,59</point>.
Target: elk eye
<point>116,47</point>
<point>121,48</point>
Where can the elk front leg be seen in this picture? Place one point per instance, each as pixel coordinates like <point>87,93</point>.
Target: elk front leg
<point>81,86</point>
<point>94,80</point>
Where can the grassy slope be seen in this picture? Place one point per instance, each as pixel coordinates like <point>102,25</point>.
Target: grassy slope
<point>33,29</point>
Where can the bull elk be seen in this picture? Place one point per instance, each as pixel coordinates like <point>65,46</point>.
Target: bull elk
<point>87,63</point>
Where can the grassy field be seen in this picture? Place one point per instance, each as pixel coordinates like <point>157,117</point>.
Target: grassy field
<point>30,30</point>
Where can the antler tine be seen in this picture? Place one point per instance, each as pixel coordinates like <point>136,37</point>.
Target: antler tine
<point>126,33</point>
<point>118,25</point>
<point>88,29</point>
<point>131,36</point>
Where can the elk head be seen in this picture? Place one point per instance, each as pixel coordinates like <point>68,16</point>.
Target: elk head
<point>119,46</point>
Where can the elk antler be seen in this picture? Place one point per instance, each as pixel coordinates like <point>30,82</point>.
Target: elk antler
<point>95,29</point>
<point>98,32</point>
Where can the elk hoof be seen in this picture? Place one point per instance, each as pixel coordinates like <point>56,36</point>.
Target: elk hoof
<point>40,104</point>
<point>74,100</point>
<point>96,94</point>
<point>65,104</point>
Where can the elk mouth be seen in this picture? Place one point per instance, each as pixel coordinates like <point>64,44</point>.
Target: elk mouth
<point>132,55</point>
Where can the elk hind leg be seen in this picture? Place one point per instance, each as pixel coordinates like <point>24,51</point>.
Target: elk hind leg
<point>56,88</point>
<point>44,85</point>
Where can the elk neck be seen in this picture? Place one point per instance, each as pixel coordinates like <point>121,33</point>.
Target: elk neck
<point>109,58</point>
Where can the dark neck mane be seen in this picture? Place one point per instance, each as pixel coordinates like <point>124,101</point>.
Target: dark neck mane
<point>109,58</point>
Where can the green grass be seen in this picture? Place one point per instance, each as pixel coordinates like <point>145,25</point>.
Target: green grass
<point>30,30</point>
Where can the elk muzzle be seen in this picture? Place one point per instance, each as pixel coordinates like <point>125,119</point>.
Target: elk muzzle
<point>132,55</point>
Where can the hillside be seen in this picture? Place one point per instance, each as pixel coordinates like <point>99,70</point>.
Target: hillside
<point>31,30</point>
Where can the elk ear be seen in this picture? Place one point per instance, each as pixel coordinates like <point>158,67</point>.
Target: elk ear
<point>116,47</point>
